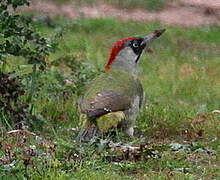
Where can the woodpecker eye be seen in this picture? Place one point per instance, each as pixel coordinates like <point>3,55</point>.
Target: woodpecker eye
<point>135,44</point>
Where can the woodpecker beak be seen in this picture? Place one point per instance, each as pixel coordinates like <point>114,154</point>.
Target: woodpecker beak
<point>150,37</point>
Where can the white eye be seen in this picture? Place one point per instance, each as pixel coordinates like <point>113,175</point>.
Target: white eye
<point>135,45</point>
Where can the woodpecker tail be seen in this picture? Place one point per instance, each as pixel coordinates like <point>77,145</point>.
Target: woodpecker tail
<point>88,129</point>
<point>88,133</point>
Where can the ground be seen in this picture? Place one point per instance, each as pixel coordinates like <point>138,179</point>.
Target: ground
<point>182,12</point>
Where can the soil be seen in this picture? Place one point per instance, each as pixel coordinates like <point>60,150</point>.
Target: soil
<point>185,13</point>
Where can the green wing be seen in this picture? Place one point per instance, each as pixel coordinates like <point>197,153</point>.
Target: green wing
<point>109,92</point>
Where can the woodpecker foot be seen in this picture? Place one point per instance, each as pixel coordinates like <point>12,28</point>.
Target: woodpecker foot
<point>129,131</point>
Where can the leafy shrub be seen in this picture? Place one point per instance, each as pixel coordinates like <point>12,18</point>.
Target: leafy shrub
<point>10,105</point>
<point>18,37</point>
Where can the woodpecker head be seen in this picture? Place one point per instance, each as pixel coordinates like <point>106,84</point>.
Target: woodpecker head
<point>125,53</point>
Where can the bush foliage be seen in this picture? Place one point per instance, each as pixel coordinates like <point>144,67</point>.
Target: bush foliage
<point>19,38</point>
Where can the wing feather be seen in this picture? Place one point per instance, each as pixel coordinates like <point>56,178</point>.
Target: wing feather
<point>105,102</point>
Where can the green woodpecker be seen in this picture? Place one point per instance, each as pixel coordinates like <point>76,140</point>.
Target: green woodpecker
<point>115,97</point>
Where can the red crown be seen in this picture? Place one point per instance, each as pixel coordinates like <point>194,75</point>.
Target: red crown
<point>117,46</point>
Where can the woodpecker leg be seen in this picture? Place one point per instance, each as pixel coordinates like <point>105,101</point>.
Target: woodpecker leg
<point>88,131</point>
<point>130,117</point>
<point>128,127</point>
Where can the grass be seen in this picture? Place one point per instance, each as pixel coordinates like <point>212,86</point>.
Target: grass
<point>181,78</point>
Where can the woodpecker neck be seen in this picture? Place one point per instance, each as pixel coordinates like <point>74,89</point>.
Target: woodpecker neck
<point>126,61</point>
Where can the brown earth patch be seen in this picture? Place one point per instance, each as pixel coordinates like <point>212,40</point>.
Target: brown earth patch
<point>182,12</point>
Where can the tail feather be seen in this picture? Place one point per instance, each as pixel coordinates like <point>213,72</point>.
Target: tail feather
<point>88,133</point>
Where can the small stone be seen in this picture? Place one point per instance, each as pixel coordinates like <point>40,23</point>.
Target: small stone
<point>99,94</point>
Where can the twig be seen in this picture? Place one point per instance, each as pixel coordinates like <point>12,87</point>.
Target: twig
<point>22,131</point>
